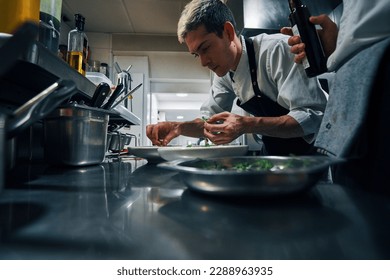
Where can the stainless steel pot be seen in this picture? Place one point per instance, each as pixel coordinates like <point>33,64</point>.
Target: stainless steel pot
<point>119,141</point>
<point>76,135</point>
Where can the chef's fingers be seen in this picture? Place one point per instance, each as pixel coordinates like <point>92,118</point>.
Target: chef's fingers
<point>219,138</point>
<point>298,48</point>
<point>153,132</point>
<point>168,138</point>
<point>328,32</point>
<point>149,133</point>
<point>149,129</point>
<point>294,40</point>
<point>286,31</point>
<point>299,51</point>
<point>207,126</point>
<point>218,117</point>
<point>298,58</point>
<point>322,20</point>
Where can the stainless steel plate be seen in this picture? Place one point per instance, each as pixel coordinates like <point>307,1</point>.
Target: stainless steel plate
<point>186,153</point>
<point>267,175</point>
<point>149,153</point>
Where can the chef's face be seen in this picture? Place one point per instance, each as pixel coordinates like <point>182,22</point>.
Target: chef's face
<point>214,52</point>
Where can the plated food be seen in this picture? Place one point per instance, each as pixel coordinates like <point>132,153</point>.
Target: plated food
<point>246,175</point>
<point>193,152</point>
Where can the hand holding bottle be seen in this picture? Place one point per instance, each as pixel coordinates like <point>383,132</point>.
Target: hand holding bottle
<point>328,36</point>
<point>314,62</point>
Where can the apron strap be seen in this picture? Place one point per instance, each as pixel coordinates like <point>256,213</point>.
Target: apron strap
<point>262,105</point>
<point>252,66</point>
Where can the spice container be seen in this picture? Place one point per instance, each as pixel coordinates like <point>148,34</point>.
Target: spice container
<point>104,69</point>
<point>49,24</point>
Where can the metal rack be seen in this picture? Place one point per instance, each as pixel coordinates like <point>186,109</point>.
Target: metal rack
<point>37,69</point>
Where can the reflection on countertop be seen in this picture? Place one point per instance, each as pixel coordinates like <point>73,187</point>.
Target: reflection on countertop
<point>129,209</point>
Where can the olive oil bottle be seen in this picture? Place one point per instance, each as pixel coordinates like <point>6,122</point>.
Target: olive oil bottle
<point>78,46</point>
<point>315,61</point>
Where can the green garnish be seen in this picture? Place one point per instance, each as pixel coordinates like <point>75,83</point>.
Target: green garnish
<point>258,165</point>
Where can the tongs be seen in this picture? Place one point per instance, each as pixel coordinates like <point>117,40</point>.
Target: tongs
<point>125,96</point>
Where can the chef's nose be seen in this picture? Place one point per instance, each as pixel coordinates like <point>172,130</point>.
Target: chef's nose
<point>204,60</point>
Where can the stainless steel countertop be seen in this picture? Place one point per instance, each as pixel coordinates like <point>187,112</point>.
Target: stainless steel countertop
<point>128,209</point>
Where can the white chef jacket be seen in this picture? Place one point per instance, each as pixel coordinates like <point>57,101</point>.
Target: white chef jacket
<point>362,24</point>
<point>279,78</point>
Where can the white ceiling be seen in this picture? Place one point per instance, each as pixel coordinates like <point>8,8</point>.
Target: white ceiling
<point>127,16</point>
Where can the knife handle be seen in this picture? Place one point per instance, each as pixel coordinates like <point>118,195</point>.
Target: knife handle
<point>113,97</point>
<point>100,94</point>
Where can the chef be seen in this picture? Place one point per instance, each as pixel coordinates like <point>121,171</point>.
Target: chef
<point>258,73</point>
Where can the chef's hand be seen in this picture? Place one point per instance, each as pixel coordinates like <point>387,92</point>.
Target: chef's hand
<point>223,128</point>
<point>162,133</point>
<point>297,47</point>
<point>328,36</point>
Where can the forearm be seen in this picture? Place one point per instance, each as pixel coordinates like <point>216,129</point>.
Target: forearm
<point>191,128</point>
<point>282,127</point>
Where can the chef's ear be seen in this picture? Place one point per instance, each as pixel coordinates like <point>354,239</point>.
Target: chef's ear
<point>229,29</point>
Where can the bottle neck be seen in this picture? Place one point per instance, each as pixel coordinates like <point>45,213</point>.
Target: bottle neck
<point>294,4</point>
<point>291,4</point>
<point>79,26</point>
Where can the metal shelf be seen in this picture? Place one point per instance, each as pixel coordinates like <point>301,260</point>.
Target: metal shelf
<point>36,70</point>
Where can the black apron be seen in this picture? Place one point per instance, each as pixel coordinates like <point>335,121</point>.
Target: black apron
<point>262,106</point>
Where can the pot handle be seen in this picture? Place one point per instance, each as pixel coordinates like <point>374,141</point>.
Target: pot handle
<point>40,106</point>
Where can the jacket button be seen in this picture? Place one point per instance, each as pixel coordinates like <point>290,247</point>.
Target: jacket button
<point>328,126</point>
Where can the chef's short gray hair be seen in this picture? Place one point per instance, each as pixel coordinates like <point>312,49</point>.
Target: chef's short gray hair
<point>211,13</point>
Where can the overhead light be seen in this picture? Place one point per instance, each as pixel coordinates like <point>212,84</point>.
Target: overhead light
<point>179,117</point>
<point>182,94</point>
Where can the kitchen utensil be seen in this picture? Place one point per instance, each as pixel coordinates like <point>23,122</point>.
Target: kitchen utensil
<point>193,152</point>
<point>32,111</point>
<point>50,23</point>
<point>113,97</point>
<point>100,94</point>
<point>128,138</point>
<point>117,67</point>
<point>125,96</point>
<point>40,106</point>
<point>108,140</point>
<point>264,176</point>
<point>117,142</point>
<point>76,135</point>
